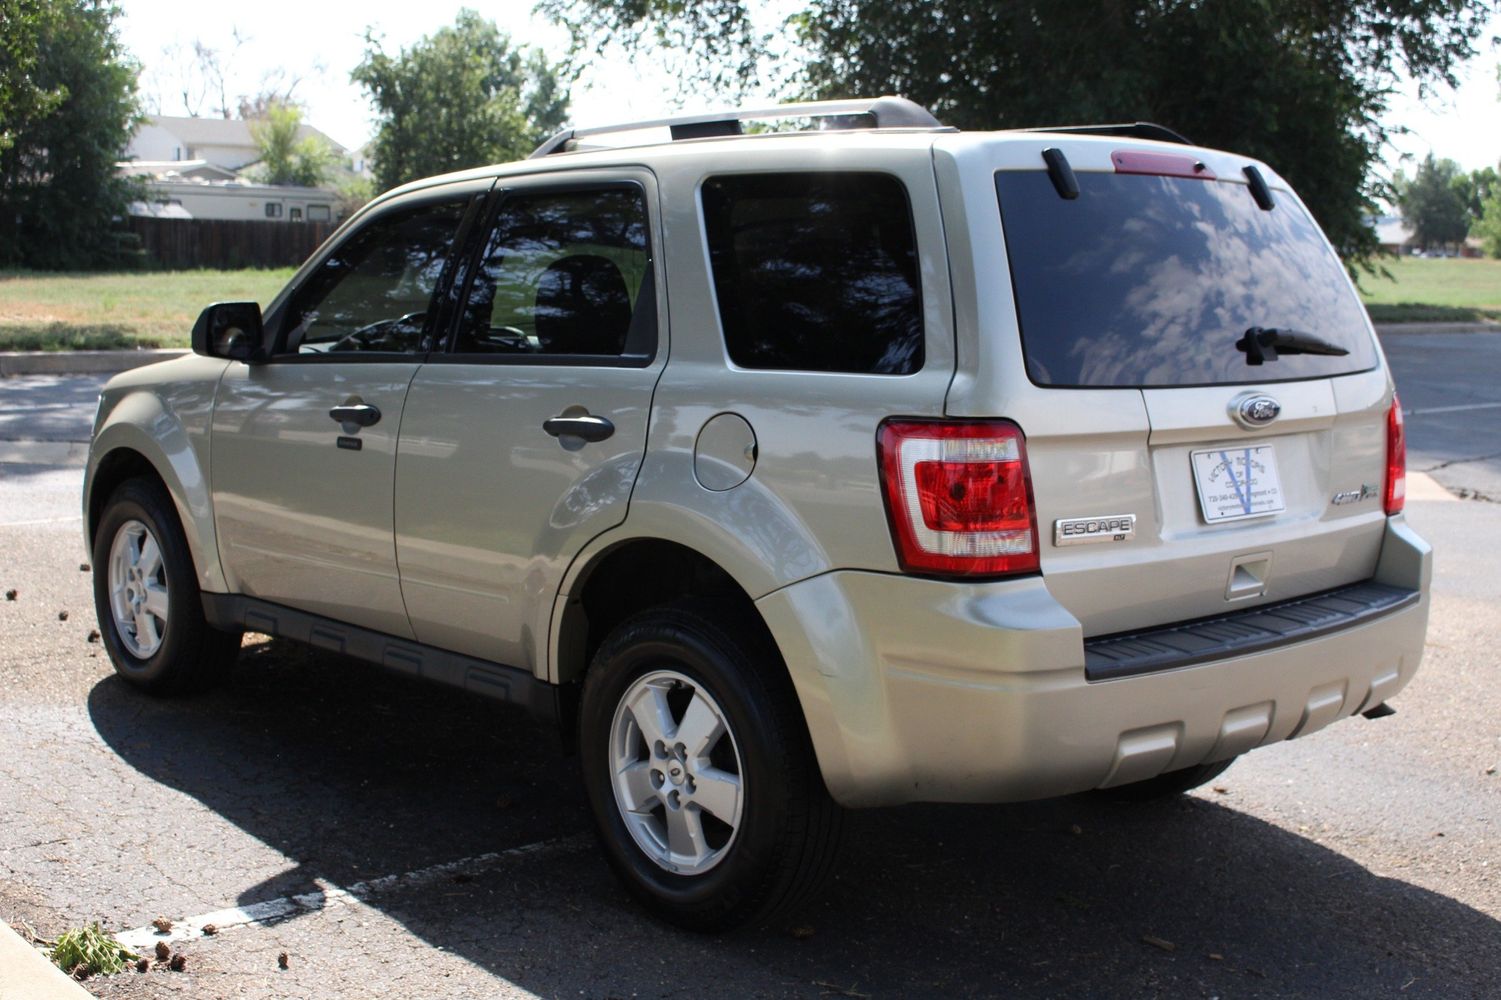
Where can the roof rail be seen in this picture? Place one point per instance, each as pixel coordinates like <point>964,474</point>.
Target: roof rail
<point>1135,130</point>
<point>877,112</point>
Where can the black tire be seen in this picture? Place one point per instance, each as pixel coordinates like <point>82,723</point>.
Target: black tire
<point>784,846</point>
<point>192,655</point>
<point>1169,785</point>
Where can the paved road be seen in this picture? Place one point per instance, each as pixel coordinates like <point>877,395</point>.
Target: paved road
<point>1359,862</point>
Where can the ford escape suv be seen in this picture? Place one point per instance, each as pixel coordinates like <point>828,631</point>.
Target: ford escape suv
<point>867,463</point>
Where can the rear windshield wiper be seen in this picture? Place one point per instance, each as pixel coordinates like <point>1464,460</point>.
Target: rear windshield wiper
<point>1263,344</point>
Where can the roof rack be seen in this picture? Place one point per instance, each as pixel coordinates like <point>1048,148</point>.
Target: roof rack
<point>876,112</point>
<point>1135,130</point>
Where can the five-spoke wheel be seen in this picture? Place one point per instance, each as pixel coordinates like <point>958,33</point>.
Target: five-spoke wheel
<point>677,772</point>
<point>138,589</point>
<point>146,595</point>
<point>699,769</point>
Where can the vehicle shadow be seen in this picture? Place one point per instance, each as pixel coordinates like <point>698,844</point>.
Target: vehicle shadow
<point>355,773</point>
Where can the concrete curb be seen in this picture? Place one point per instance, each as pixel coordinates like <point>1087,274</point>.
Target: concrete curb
<point>28,973</point>
<point>80,362</point>
<point>1387,329</point>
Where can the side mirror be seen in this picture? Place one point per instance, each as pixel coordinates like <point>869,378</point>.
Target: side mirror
<point>231,330</point>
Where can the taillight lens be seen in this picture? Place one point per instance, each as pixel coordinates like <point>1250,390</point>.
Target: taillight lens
<point>959,497</point>
<point>1396,458</point>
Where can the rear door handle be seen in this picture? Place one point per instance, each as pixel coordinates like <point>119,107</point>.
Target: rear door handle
<point>361,414</point>
<point>584,426</point>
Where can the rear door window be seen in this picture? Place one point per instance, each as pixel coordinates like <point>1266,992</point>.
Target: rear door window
<point>564,274</point>
<point>1149,281</point>
<point>815,271</point>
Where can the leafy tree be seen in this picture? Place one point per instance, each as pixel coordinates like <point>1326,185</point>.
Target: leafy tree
<point>1300,85</point>
<point>22,99</point>
<point>65,128</point>
<point>1476,188</point>
<point>461,97</point>
<point>1488,229</point>
<point>1434,205</point>
<point>286,159</point>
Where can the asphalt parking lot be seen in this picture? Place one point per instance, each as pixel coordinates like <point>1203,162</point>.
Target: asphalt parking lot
<point>404,841</point>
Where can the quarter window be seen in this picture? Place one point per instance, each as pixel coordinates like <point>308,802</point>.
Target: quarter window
<point>815,271</point>
<point>374,292</point>
<point>564,273</point>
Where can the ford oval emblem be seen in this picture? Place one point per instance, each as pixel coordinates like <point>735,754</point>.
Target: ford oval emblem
<point>1257,411</point>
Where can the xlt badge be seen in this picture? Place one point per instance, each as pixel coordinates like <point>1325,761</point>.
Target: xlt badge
<point>1104,528</point>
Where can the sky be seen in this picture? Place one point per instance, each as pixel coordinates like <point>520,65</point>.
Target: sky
<point>322,42</point>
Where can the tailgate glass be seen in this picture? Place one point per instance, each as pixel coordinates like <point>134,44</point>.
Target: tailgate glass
<point>1149,281</point>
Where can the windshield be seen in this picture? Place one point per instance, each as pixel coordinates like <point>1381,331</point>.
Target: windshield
<point>1147,281</point>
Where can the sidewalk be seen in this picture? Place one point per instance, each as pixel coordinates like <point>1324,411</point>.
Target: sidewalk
<point>26,974</point>
<point>80,362</point>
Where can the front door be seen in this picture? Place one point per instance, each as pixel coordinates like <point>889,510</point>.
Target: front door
<point>523,442</point>
<point>304,445</point>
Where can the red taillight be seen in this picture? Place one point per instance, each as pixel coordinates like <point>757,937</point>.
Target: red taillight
<point>959,497</point>
<point>1396,458</point>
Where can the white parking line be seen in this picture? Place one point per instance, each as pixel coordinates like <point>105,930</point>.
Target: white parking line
<point>44,520</point>
<point>142,939</point>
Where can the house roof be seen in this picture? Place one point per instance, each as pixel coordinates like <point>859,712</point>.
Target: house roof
<point>224,131</point>
<point>175,168</point>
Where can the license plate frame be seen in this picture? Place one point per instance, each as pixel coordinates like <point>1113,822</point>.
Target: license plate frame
<point>1237,482</point>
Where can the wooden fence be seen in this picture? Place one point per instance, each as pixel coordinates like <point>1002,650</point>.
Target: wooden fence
<point>228,243</point>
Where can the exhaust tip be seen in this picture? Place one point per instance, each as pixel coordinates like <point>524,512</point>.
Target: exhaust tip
<point>1381,711</point>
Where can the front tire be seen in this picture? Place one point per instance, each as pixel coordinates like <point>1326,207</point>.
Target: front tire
<point>698,767</point>
<point>147,598</point>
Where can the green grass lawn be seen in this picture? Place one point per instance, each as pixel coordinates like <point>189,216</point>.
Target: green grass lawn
<point>60,312</point>
<point>1434,290</point>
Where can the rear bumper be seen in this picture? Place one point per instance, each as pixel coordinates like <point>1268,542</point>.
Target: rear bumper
<point>925,690</point>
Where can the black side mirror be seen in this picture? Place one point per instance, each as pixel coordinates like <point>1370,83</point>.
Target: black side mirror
<point>231,330</point>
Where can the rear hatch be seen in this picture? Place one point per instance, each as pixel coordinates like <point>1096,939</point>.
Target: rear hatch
<point>1174,477</point>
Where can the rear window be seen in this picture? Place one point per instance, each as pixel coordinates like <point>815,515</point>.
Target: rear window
<point>815,271</point>
<point>1147,281</point>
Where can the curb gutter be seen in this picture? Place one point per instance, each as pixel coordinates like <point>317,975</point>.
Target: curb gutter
<point>29,975</point>
<point>1387,329</point>
<point>80,362</point>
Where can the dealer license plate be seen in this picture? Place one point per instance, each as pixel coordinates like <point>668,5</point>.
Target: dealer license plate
<point>1237,482</point>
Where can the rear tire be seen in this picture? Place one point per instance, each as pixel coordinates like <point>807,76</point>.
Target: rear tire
<point>1169,785</point>
<point>147,598</point>
<point>698,767</point>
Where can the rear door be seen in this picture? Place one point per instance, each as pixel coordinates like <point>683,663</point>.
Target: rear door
<point>1173,477</point>
<point>523,441</point>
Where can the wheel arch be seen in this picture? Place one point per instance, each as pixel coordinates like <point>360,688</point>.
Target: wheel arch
<point>627,576</point>
<point>123,449</point>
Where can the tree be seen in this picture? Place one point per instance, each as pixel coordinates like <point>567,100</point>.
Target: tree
<point>461,97</point>
<point>1297,84</point>
<point>60,197</point>
<point>1476,188</point>
<point>22,99</point>
<point>1488,229</point>
<point>1434,205</point>
<point>286,159</point>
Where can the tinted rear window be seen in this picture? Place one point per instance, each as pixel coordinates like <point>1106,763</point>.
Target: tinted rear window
<point>1149,281</point>
<point>815,271</point>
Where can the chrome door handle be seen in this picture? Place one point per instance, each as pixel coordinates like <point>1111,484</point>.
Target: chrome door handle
<point>585,426</point>
<point>361,414</point>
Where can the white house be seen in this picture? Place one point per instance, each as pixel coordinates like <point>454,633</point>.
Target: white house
<point>224,142</point>
<point>191,167</point>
